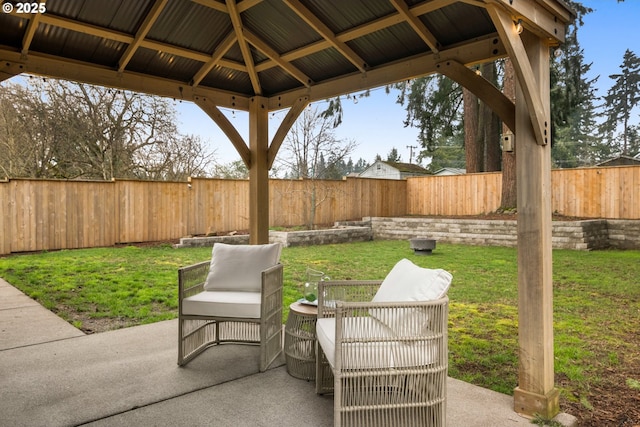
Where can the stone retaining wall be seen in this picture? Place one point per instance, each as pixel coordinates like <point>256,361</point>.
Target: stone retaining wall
<point>623,234</point>
<point>339,234</point>
<point>193,242</point>
<point>583,235</point>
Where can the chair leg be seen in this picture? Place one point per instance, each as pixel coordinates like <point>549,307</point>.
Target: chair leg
<point>194,337</point>
<point>324,373</point>
<point>271,342</point>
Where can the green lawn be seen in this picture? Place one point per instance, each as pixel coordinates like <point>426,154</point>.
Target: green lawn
<point>596,301</point>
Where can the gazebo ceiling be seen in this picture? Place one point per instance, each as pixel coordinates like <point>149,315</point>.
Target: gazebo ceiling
<point>230,51</point>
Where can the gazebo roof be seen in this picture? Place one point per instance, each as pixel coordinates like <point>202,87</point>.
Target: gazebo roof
<point>279,49</point>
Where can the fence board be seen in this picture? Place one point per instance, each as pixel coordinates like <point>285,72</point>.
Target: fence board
<point>151,211</point>
<point>611,192</point>
<point>219,205</point>
<point>6,212</point>
<point>47,215</point>
<point>470,194</point>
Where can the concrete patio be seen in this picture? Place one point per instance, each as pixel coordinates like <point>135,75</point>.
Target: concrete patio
<point>54,375</point>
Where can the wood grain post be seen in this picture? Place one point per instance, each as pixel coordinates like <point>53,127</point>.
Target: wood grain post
<point>259,171</point>
<point>536,392</point>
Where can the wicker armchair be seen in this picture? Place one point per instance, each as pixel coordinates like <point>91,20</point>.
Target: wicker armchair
<point>386,362</point>
<point>225,314</point>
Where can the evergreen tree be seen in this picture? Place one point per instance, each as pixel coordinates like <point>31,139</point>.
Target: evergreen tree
<point>573,115</point>
<point>394,156</point>
<point>621,100</point>
<point>450,154</point>
<point>360,165</point>
<point>434,105</point>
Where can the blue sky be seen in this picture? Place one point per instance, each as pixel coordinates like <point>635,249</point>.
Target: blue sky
<point>376,122</point>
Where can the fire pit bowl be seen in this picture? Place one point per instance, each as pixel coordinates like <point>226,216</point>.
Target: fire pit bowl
<point>422,246</point>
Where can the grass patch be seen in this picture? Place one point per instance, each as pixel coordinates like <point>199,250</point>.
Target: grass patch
<point>596,301</point>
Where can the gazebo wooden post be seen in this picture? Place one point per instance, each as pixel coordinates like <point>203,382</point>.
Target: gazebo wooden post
<point>259,171</point>
<point>536,392</point>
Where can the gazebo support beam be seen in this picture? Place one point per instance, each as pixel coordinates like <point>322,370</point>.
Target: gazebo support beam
<point>259,171</point>
<point>258,156</point>
<point>536,392</point>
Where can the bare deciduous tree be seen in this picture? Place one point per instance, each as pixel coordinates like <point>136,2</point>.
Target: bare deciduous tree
<point>310,152</point>
<point>75,130</point>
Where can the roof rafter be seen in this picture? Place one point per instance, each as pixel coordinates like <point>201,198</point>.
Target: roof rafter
<point>45,65</point>
<point>468,53</point>
<point>213,4</point>
<point>274,56</point>
<point>128,39</point>
<point>326,33</point>
<point>148,22</point>
<point>31,30</point>
<point>236,21</point>
<point>539,17</point>
<point>215,58</point>
<point>364,29</point>
<point>416,24</point>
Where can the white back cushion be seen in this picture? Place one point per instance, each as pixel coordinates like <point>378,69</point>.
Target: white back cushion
<point>409,282</point>
<point>240,267</point>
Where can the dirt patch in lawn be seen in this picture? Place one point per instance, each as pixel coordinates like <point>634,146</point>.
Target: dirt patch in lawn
<point>614,400</point>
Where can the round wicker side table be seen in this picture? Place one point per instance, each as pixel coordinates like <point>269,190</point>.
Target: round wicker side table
<point>300,341</point>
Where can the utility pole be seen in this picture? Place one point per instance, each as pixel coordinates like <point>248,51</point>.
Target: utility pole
<point>411,147</point>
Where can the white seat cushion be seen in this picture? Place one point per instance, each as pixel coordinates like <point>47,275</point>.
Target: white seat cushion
<point>372,355</point>
<point>240,267</point>
<point>245,305</point>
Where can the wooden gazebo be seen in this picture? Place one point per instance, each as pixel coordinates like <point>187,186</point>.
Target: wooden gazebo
<point>266,55</point>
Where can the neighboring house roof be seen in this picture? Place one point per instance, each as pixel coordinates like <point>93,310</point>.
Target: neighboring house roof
<point>621,161</point>
<point>393,170</point>
<point>450,171</point>
<point>408,168</point>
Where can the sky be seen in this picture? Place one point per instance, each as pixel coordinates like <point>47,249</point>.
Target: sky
<point>375,123</point>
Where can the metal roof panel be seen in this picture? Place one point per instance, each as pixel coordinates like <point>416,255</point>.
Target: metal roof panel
<point>164,65</point>
<point>74,45</point>
<point>191,25</point>
<point>119,15</point>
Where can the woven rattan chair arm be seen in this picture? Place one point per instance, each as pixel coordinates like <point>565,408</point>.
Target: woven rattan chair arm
<point>345,306</point>
<point>272,286</point>
<point>329,292</point>
<point>191,279</point>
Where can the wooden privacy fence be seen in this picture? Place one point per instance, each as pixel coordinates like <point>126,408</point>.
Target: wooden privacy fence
<point>54,214</point>
<point>469,194</point>
<point>612,192</point>
<point>48,214</point>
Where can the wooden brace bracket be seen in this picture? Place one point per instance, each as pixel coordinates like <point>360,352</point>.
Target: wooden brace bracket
<point>227,127</point>
<point>526,77</point>
<point>483,89</point>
